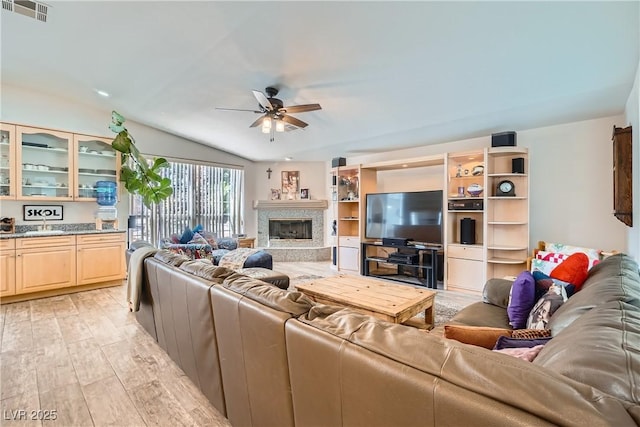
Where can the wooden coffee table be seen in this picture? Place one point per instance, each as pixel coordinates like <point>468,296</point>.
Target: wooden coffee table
<point>389,301</point>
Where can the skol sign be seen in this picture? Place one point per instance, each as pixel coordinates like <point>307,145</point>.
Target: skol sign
<point>40,212</point>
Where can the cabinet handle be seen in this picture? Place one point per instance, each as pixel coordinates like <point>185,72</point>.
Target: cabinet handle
<point>19,255</point>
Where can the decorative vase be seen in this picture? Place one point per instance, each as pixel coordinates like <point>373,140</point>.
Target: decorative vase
<point>474,190</point>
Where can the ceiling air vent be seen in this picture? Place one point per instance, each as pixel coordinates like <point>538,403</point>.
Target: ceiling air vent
<point>32,9</point>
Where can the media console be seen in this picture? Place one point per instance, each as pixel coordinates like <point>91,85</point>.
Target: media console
<point>414,263</point>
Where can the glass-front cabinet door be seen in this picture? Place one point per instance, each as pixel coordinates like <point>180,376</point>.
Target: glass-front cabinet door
<point>44,164</point>
<point>95,161</point>
<point>7,161</point>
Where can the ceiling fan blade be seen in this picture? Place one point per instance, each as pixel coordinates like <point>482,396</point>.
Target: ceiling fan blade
<point>301,108</point>
<point>262,100</point>
<point>293,121</point>
<point>258,122</point>
<point>238,109</point>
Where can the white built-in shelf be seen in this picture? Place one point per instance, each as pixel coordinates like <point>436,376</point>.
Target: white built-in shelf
<point>507,248</point>
<point>47,171</point>
<point>498,174</point>
<point>465,210</point>
<point>506,223</point>
<point>506,261</point>
<point>507,198</point>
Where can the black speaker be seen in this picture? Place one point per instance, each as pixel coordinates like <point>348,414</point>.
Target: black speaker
<point>338,161</point>
<point>334,180</point>
<point>468,231</point>
<point>503,139</point>
<point>517,165</point>
<point>334,255</point>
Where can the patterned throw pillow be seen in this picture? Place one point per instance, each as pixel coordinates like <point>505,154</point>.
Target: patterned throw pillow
<point>530,334</point>
<point>592,254</point>
<point>210,238</point>
<point>545,307</point>
<point>522,297</point>
<point>544,266</point>
<point>544,282</point>
<point>174,238</point>
<point>198,240</point>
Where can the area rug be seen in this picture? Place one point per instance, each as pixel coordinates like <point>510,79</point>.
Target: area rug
<point>444,310</point>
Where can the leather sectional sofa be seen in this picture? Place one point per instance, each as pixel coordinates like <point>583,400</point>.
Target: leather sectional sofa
<point>270,357</point>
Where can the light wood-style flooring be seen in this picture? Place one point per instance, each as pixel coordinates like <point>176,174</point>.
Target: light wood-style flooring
<point>85,357</point>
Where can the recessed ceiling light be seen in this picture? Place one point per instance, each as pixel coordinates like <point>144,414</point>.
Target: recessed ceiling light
<point>288,159</point>
<point>405,165</point>
<point>102,93</point>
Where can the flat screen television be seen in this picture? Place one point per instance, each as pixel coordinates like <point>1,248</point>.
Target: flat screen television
<point>409,215</point>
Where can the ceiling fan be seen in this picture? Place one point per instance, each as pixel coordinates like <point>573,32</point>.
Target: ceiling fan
<point>275,114</point>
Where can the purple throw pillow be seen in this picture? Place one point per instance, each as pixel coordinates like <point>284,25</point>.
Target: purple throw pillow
<point>508,342</point>
<point>521,300</point>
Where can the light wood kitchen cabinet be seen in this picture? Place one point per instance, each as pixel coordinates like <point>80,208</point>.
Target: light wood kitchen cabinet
<point>52,165</point>
<point>95,161</point>
<point>100,258</point>
<point>44,160</point>
<point>45,263</point>
<point>7,161</point>
<point>7,268</point>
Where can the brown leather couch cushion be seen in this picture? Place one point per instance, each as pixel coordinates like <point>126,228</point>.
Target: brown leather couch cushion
<point>274,278</point>
<point>482,314</point>
<point>250,316</point>
<point>496,292</point>
<point>171,258</point>
<point>386,374</point>
<point>206,270</point>
<point>185,326</point>
<point>614,279</point>
<point>601,348</point>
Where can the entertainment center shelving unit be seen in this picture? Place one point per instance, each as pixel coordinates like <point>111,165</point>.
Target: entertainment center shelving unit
<point>502,222</point>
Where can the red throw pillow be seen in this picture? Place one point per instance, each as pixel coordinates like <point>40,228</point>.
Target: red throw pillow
<point>572,270</point>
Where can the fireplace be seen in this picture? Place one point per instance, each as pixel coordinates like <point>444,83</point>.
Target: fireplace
<point>290,228</point>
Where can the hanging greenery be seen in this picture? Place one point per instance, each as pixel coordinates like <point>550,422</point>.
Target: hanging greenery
<point>140,176</point>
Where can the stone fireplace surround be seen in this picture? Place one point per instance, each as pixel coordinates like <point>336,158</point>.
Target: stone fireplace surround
<point>312,249</point>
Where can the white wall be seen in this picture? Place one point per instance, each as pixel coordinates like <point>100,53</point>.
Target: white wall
<point>312,176</point>
<point>23,106</point>
<point>632,117</point>
<point>418,179</point>
<point>571,191</point>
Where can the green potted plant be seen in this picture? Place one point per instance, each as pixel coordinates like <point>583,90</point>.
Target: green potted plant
<point>139,175</point>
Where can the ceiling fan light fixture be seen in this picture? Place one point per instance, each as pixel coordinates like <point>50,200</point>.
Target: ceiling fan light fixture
<point>266,125</point>
<point>279,126</point>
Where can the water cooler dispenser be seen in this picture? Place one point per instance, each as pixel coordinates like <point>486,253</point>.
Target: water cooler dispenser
<point>107,197</point>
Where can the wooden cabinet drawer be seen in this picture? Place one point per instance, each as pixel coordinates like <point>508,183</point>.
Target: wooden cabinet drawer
<point>7,244</point>
<point>92,239</point>
<point>349,259</point>
<point>45,242</point>
<point>349,241</point>
<point>465,274</point>
<point>464,251</point>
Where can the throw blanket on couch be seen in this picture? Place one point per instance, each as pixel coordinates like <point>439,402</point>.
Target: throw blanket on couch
<point>235,259</point>
<point>135,277</point>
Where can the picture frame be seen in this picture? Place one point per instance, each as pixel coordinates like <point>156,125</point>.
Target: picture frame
<point>304,193</point>
<point>290,184</point>
<point>275,194</point>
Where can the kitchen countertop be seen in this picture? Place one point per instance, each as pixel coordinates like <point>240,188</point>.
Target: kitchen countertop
<point>65,233</point>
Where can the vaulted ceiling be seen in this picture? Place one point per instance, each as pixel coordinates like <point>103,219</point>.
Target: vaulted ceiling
<point>387,74</point>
